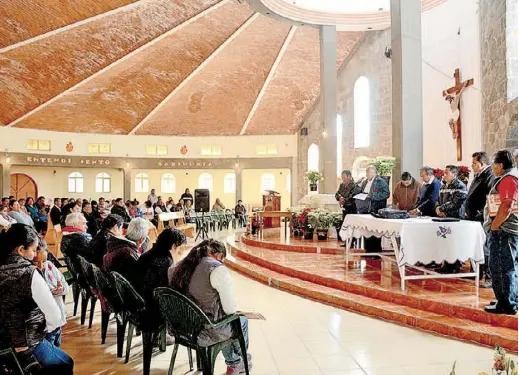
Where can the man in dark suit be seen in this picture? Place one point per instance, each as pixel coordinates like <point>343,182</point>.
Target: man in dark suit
<point>477,199</point>
<point>55,212</point>
<point>429,194</point>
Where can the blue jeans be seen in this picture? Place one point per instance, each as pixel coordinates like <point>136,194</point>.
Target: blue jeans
<point>232,353</point>
<point>52,359</point>
<point>54,337</point>
<point>503,267</point>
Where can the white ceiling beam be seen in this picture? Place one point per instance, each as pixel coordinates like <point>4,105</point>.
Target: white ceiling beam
<point>195,72</point>
<point>269,78</point>
<point>119,61</point>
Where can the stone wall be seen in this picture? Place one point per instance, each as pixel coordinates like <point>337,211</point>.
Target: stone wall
<point>499,115</point>
<point>366,60</point>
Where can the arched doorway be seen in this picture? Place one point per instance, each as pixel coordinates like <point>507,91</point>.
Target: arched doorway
<point>23,186</point>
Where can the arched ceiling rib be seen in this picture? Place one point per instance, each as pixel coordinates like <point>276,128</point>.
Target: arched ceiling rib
<point>156,67</point>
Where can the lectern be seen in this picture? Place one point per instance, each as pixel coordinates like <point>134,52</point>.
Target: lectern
<point>271,203</point>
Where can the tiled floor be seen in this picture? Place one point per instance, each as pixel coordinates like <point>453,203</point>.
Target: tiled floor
<point>298,337</point>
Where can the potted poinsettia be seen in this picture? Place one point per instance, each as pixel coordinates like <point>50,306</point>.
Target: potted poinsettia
<point>304,225</point>
<point>464,174</point>
<point>320,220</point>
<point>313,178</point>
<point>297,226</point>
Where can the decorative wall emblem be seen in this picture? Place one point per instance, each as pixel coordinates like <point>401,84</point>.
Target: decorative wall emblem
<point>183,150</point>
<point>69,147</point>
<point>443,232</point>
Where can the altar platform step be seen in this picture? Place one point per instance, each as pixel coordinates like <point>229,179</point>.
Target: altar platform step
<point>378,283</point>
<point>441,324</point>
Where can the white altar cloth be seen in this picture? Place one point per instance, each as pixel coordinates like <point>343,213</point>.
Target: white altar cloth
<point>421,239</point>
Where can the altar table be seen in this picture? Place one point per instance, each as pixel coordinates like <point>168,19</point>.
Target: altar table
<point>421,240</point>
<point>280,214</point>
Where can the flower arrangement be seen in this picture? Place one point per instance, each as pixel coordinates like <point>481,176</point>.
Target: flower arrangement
<point>503,364</point>
<point>336,219</point>
<point>463,173</point>
<point>320,219</point>
<point>438,173</point>
<point>384,164</point>
<point>301,219</point>
<point>314,177</point>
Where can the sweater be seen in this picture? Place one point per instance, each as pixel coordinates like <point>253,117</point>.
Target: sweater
<point>405,197</point>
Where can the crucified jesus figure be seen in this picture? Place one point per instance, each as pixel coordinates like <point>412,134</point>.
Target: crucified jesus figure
<point>454,102</point>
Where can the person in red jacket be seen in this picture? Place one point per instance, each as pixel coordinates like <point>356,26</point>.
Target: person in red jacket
<point>406,193</point>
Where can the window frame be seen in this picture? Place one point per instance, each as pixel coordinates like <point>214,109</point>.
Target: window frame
<point>76,177</point>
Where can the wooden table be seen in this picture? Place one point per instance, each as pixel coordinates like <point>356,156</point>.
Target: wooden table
<point>280,214</point>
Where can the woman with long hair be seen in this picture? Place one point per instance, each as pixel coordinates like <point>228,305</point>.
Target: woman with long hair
<point>203,277</point>
<point>28,309</point>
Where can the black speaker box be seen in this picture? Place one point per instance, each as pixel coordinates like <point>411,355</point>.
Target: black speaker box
<point>202,199</point>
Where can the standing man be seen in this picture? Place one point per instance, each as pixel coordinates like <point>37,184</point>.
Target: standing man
<point>453,195</point>
<point>429,193</point>
<point>240,213</point>
<point>55,212</point>
<point>477,199</point>
<point>376,191</point>
<point>501,221</point>
<point>406,193</point>
<point>152,197</point>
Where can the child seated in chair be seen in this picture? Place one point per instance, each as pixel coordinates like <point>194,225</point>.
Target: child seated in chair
<point>58,287</point>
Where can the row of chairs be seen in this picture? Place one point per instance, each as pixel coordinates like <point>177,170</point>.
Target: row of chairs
<point>181,316</point>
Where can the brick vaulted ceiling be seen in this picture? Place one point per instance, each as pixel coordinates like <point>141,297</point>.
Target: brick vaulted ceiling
<point>156,67</point>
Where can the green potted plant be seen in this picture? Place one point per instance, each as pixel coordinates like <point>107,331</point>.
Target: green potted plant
<point>313,178</point>
<point>320,220</point>
<point>336,222</point>
<point>384,165</point>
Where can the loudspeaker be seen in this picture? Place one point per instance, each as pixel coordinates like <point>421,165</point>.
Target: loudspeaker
<point>202,199</point>
<point>304,131</point>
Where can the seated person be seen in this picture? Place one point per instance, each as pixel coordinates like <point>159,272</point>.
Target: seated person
<point>170,205</point>
<point>426,203</point>
<point>58,286</point>
<point>76,240</point>
<point>28,310</point>
<point>153,266</point>
<point>17,214</point>
<point>240,212</point>
<point>189,212</point>
<point>218,206</point>
<point>111,226</point>
<point>92,226</point>
<point>120,209</point>
<point>202,276</point>
<point>124,252</point>
<point>5,220</point>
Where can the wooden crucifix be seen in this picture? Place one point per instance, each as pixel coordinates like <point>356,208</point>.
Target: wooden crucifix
<point>453,96</point>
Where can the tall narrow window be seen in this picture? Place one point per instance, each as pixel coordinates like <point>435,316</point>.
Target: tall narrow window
<point>141,183</point>
<point>75,182</point>
<point>229,183</point>
<point>313,157</point>
<point>103,183</point>
<point>339,145</point>
<point>205,181</point>
<point>361,113</point>
<point>268,182</point>
<point>168,183</point>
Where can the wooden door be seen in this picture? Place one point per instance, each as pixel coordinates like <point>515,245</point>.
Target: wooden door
<point>23,186</point>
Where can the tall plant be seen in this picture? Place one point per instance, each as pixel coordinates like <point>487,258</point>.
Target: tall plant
<point>384,164</point>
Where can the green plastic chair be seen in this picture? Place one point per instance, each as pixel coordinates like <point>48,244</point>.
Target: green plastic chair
<point>186,320</point>
<point>90,289</point>
<point>135,315</point>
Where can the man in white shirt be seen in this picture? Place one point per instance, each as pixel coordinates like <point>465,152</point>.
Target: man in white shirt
<point>152,197</point>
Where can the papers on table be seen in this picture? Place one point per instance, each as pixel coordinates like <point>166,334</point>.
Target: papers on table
<point>361,196</point>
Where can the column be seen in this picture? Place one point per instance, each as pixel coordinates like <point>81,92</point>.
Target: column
<point>328,146</point>
<point>127,185</point>
<point>406,61</point>
<point>5,179</point>
<point>239,183</point>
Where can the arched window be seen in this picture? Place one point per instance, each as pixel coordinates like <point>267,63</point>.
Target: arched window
<point>168,183</point>
<point>103,183</point>
<point>75,182</point>
<point>361,113</point>
<point>205,181</point>
<point>339,145</point>
<point>313,157</point>
<point>229,183</point>
<point>268,182</point>
<point>142,183</point>
<point>289,183</point>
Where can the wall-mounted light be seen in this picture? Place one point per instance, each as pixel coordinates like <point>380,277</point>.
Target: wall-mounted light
<point>237,164</point>
<point>7,157</point>
<point>325,134</point>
